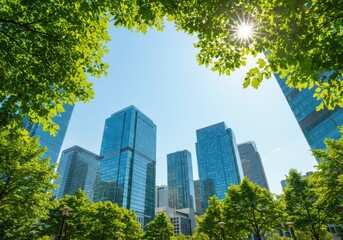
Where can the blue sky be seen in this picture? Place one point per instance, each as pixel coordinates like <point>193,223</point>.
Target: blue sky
<point>158,73</point>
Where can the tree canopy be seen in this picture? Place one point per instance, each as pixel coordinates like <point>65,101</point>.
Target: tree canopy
<point>328,178</point>
<point>304,208</point>
<point>252,209</point>
<point>160,228</point>
<point>25,183</point>
<point>49,48</point>
<point>302,40</point>
<point>100,220</point>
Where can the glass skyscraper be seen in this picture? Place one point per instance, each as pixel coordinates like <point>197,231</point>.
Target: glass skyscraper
<point>127,172</point>
<point>77,169</point>
<point>316,125</point>
<point>53,143</point>
<point>219,164</point>
<point>197,197</point>
<point>252,164</point>
<point>180,180</point>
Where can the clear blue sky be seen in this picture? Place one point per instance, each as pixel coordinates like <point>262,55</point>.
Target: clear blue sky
<point>158,73</point>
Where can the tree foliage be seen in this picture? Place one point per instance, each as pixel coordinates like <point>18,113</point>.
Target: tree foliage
<point>252,209</point>
<point>302,40</point>
<point>49,48</point>
<point>328,178</point>
<point>303,205</point>
<point>100,220</point>
<point>208,223</point>
<point>25,183</point>
<point>160,228</point>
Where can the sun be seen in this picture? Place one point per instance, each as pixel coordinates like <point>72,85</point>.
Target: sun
<point>245,31</point>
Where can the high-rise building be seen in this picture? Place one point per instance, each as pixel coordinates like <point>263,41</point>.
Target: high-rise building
<point>183,219</point>
<point>77,169</point>
<point>219,164</point>
<point>252,164</point>
<point>316,125</point>
<point>161,196</point>
<point>127,172</point>
<point>197,197</point>
<point>180,180</point>
<point>53,143</point>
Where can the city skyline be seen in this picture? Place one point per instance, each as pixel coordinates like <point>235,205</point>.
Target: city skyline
<point>158,73</point>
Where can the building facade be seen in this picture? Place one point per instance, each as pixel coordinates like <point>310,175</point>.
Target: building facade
<point>77,169</point>
<point>127,170</point>
<point>198,209</point>
<point>183,220</point>
<point>219,164</point>
<point>180,180</point>
<point>161,199</point>
<point>315,125</point>
<point>53,143</point>
<point>252,164</point>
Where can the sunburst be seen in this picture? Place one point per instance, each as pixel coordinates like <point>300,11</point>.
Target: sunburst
<point>244,30</point>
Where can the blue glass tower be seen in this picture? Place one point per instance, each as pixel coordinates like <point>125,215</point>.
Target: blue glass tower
<point>180,180</point>
<point>252,164</point>
<point>127,171</point>
<point>77,169</point>
<point>219,164</point>
<point>316,125</point>
<point>53,143</point>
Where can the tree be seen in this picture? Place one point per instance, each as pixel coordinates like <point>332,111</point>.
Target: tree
<point>302,40</point>
<point>304,208</point>
<point>276,236</point>
<point>208,224</point>
<point>77,219</point>
<point>25,183</point>
<point>252,208</point>
<point>100,220</point>
<point>199,236</point>
<point>49,48</point>
<point>160,228</point>
<point>132,229</point>
<point>328,178</point>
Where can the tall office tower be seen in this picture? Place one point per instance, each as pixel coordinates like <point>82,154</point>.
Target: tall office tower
<point>197,197</point>
<point>219,164</point>
<point>180,180</point>
<point>77,169</point>
<point>53,143</point>
<point>161,199</point>
<point>316,125</point>
<point>252,164</point>
<point>127,172</point>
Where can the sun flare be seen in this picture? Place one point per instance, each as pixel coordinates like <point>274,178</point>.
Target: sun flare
<point>245,31</point>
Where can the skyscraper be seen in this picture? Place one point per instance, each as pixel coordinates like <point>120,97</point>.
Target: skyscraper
<point>127,171</point>
<point>53,143</point>
<point>219,164</point>
<point>252,164</point>
<point>161,196</point>
<point>316,125</point>
<point>77,169</point>
<point>180,180</point>
<point>197,197</point>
